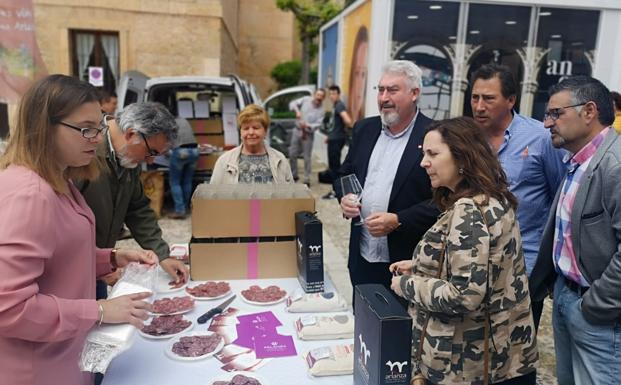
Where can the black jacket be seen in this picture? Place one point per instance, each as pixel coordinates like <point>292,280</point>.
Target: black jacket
<point>410,197</point>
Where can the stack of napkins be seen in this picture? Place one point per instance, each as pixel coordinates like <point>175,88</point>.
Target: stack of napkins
<point>258,332</point>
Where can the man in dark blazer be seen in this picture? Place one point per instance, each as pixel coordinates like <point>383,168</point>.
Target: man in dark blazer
<point>580,254</point>
<point>395,208</point>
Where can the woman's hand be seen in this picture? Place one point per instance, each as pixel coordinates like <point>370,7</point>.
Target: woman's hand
<point>125,256</point>
<point>402,267</point>
<point>395,285</point>
<point>126,309</point>
<point>350,205</point>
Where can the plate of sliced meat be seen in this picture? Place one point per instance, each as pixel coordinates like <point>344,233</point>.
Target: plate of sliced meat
<point>164,283</point>
<point>209,290</point>
<point>194,346</point>
<point>255,295</point>
<point>166,326</point>
<point>172,306</point>
<point>239,378</point>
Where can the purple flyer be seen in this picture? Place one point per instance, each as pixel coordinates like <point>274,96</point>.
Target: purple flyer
<point>266,318</point>
<point>274,345</point>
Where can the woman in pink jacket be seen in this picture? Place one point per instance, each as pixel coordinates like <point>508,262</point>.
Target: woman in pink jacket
<point>48,258</point>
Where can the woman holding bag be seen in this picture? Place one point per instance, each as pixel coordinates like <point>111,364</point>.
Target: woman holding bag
<point>48,258</point>
<point>466,284</point>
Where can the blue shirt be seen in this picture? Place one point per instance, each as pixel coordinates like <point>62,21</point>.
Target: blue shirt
<point>534,171</point>
<point>381,173</point>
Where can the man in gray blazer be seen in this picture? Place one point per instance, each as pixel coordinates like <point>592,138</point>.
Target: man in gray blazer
<point>580,255</point>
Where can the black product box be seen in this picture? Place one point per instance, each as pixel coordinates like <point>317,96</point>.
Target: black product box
<point>309,242</point>
<point>382,338</point>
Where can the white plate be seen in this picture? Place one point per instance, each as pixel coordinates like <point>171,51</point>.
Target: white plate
<point>174,356</point>
<point>262,303</point>
<point>161,282</point>
<point>177,312</point>
<point>165,336</point>
<point>229,376</point>
<point>208,298</point>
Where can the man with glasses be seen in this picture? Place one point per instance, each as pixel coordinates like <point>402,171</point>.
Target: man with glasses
<point>533,166</point>
<point>138,134</point>
<point>385,156</point>
<point>580,256</point>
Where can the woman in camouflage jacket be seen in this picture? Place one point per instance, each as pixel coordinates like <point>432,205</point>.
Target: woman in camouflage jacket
<point>466,284</point>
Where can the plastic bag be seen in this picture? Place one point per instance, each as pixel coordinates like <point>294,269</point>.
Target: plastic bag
<point>107,341</point>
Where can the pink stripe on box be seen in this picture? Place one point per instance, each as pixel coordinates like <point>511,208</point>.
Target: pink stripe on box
<point>252,256</point>
<point>255,217</point>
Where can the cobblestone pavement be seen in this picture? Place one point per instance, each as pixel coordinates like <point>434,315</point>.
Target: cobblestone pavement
<point>336,238</point>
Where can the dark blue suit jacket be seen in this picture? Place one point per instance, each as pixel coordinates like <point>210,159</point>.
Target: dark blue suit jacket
<point>410,197</point>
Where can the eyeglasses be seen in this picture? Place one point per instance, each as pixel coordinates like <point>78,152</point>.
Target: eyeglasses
<point>90,132</point>
<point>555,113</point>
<point>152,152</point>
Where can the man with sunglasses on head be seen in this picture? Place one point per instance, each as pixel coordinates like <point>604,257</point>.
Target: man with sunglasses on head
<point>138,134</point>
<point>580,256</point>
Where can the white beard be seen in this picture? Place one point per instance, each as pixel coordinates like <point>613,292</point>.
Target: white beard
<point>124,161</point>
<point>389,118</point>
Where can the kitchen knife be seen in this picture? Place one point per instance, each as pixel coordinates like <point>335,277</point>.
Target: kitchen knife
<point>216,310</point>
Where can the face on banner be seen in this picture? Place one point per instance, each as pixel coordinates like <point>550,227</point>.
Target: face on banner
<point>20,59</point>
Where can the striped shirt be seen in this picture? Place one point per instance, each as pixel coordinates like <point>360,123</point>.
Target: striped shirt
<point>565,259</point>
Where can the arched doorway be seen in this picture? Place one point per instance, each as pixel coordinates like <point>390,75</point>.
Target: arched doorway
<point>435,99</point>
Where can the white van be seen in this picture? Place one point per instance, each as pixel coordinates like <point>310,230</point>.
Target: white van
<point>210,104</point>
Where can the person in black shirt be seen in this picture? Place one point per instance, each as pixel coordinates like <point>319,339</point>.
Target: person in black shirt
<point>338,136</point>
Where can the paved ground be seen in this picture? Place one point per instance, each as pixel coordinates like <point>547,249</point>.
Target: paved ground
<point>336,237</point>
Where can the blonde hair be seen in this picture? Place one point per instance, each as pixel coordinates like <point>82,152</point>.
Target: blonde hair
<point>253,113</point>
<point>32,143</point>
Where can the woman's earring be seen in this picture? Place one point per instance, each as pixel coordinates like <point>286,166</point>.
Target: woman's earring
<point>461,171</point>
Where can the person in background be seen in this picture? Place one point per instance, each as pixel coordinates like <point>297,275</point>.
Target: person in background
<point>534,168</point>
<point>466,283</point>
<point>580,255</point>
<point>183,158</point>
<point>48,257</point>
<point>139,133</point>
<point>396,207</point>
<point>253,161</point>
<point>108,101</point>
<point>358,73</point>
<point>309,115</point>
<point>616,102</point>
<point>338,136</point>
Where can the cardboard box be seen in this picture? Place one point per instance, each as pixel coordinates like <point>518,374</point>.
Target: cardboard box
<point>213,139</point>
<point>207,161</point>
<point>248,260</point>
<point>218,218</point>
<point>245,231</point>
<point>382,338</point>
<point>309,251</point>
<point>206,126</point>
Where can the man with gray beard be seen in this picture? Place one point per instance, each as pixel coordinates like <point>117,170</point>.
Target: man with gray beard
<point>395,208</point>
<point>137,134</point>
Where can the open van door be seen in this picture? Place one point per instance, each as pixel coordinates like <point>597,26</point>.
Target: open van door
<point>131,88</point>
<point>243,91</point>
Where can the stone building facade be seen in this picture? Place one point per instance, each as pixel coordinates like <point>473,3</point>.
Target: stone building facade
<point>172,37</point>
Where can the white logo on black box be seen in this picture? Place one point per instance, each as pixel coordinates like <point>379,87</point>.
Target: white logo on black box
<point>364,352</point>
<point>397,364</point>
<point>315,249</point>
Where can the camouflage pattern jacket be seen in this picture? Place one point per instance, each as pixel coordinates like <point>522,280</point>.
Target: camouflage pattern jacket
<point>478,254</point>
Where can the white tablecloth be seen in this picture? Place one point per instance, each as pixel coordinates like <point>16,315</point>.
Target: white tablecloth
<point>146,363</point>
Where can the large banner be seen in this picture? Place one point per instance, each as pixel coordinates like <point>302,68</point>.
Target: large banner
<point>20,59</point>
<point>356,28</point>
<point>329,42</point>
